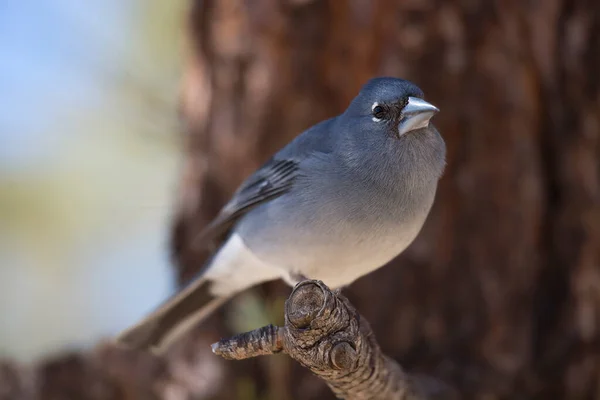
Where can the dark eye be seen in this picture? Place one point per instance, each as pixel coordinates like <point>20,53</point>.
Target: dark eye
<point>378,112</point>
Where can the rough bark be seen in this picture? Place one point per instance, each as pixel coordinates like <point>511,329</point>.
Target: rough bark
<point>326,335</point>
<point>500,294</point>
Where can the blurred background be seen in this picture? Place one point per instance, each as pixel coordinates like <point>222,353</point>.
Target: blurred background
<point>125,125</point>
<point>88,160</point>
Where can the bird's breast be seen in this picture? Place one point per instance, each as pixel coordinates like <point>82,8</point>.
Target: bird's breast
<point>335,232</point>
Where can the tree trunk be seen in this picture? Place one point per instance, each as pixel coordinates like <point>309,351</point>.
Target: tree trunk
<point>500,294</point>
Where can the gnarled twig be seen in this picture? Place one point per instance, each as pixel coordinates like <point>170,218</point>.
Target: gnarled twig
<point>325,334</point>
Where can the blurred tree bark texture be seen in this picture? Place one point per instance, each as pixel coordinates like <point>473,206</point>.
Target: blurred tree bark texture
<point>500,294</point>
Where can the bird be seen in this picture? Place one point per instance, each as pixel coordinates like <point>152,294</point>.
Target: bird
<point>339,201</point>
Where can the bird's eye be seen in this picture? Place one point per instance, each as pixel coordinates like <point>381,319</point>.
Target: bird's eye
<point>378,112</point>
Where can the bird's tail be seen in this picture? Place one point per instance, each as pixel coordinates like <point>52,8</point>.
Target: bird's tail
<point>173,319</point>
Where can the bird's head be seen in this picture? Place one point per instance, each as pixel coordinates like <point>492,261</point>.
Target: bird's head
<point>386,130</point>
<point>391,105</point>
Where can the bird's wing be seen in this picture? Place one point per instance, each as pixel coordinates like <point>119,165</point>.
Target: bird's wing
<point>273,179</point>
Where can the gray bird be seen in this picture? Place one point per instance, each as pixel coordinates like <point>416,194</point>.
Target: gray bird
<point>339,201</point>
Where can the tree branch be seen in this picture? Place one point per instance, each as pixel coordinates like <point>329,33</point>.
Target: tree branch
<point>325,334</point>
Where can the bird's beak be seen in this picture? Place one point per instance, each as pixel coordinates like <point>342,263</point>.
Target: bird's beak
<point>415,115</point>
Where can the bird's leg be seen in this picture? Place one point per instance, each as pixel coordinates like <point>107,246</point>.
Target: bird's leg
<point>294,278</point>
